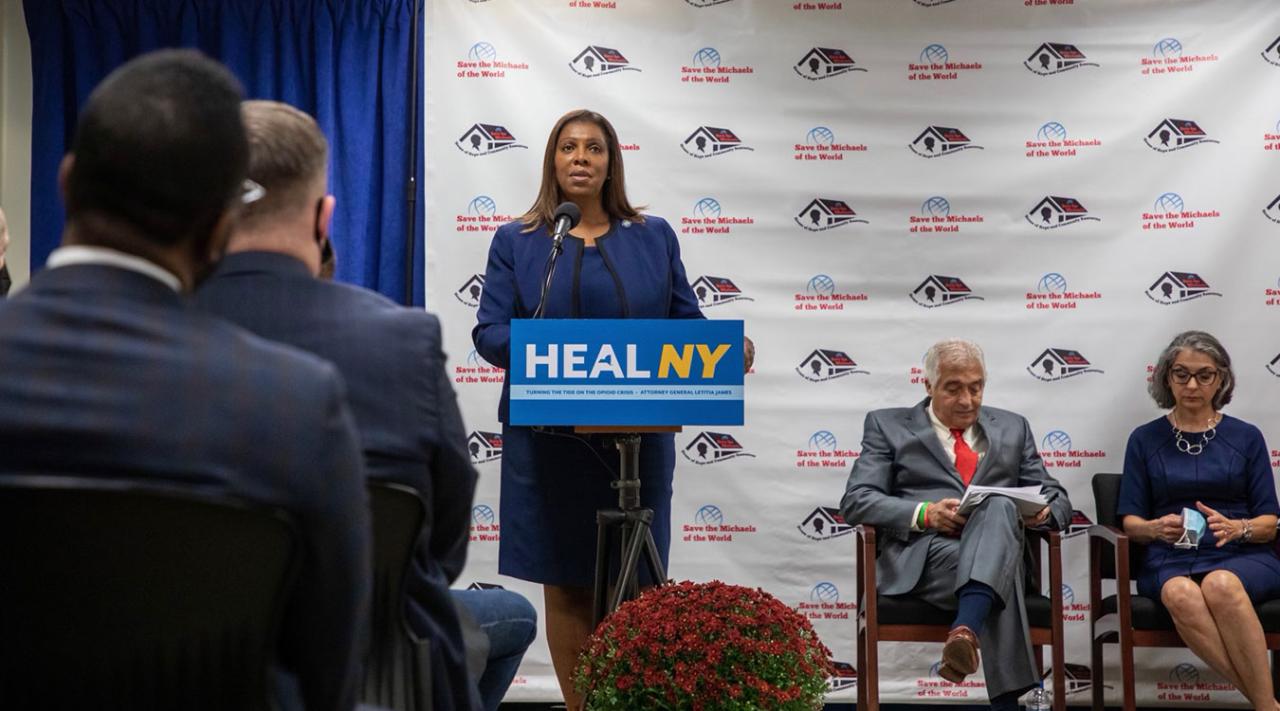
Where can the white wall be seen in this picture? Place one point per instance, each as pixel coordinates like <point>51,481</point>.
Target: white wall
<point>15,136</point>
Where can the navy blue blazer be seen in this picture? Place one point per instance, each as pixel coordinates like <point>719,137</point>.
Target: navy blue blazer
<point>643,257</point>
<point>405,408</point>
<point>108,375</point>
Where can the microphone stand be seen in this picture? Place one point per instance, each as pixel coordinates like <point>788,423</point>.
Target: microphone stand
<point>557,246</point>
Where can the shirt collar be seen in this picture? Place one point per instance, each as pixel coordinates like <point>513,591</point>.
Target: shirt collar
<point>87,254</point>
<point>970,434</point>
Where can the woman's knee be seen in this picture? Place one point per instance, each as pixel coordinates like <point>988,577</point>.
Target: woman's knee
<point>1181,596</point>
<point>1222,588</point>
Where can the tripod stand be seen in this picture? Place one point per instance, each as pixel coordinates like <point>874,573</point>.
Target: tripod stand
<point>630,525</point>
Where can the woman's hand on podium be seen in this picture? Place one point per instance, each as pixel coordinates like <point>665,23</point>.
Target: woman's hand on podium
<point>748,354</point>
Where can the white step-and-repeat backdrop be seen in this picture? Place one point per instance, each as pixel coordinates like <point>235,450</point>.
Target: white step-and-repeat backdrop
<point>1068,183</point>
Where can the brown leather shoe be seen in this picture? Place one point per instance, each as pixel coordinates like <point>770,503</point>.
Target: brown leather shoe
<point>959,655</point>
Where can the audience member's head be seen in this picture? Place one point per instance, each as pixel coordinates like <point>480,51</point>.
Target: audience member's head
<point>158,162</point>
<point>288,157</point>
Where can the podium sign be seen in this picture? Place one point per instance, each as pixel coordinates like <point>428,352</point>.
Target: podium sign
<point>626,372</point>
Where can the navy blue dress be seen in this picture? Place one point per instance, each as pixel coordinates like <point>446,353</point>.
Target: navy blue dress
<point>1232,475</point>
<point>553,481</point>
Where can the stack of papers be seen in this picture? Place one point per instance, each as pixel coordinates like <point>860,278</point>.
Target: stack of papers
<point>1028,498</point>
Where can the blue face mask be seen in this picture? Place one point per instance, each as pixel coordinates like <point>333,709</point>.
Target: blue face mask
<point>1193,526</point>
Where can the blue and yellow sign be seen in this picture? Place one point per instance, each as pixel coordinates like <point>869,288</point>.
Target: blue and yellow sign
<point>626,372</point>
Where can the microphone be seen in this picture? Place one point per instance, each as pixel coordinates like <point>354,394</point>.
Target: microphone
<point>566,218</point>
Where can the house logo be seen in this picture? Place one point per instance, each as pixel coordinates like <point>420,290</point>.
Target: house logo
<point>1055,57</point>
<point>1177,287</point>
<point>820,285</point>
<point>484,586</point>
<point>825,214</point>
<point>1274,366</point>
<point>713,448</point>
<point>483,515</point>
<point>1060,364</point>
<point>824,63</point>
<point>938,141</point>
<point>708,141</point>
<point>1056,439</point>
<point>706,57</point>
<point>1080,521</point>
<point>1055,211</point>
<point>1176,134</point>
<point>709,515</point>
<point>823,524</point>
<point>706,3</point>
<point>1272,210</point>
<point>824,364</point>
<point>824,592</point>
<point>597,61</point>
<point>470,291</point>
<point>482,52</point>
<point>484,139</point>
<point>937,290</point>
<point>932,3</point>
<point>1052,283</point>
<point>1167,48</point>
<point>1272,52</point>
<point>1078,678</point>
<point>1184,674</point>
<point>717,291</point>
<point>843,676</point>
<point>484,446</point>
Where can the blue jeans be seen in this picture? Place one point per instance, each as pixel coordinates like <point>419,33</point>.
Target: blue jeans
<point>511,624</point>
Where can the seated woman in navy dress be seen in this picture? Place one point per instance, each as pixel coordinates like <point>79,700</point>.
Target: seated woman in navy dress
<point>1196,457</point>
<point>617,263</point>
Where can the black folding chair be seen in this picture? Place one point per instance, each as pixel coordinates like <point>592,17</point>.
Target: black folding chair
<point>397,670</point>
<point>122,597</point>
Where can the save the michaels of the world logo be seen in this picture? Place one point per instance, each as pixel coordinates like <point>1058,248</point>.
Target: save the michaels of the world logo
<point>709,526</point>
<point>471,291</point>
<point>824,604</point>
<point>1055,211</point>
<point>823,451</point>
<point>820,294</point>
<point>937,217</point>
<point>1055,58</point>
<point>477,370</point>
<point>485,527</point>
<point>1179,287</point>
<point>1175,135</point>
<point>938,141</point>
<point>1272,52</point>
<point>823,524</point>
<point>823,364</point>
<point>935,64</point>
<point>1169,212</point>
<point>715,291</point>
<point>1059,452</point>
<point>938,290</point>
<point>484,139</point>
<point>820,144</point>
<point>1059,364</point>
<point>708,218</point>
<point>824,63</point>
<point>708,67</point>
<point>482,62</point>
<point>1272,210</point>
<point>1169,56</point>
<point>1052,293</point>
<point>1052,141</point>
<point>710,141</point>
<point>481,216</point>
<point>484,446</point>
<point>823,214</point>
<point>596,61</point>
<point>713,448</point>
<point>1186,685</point>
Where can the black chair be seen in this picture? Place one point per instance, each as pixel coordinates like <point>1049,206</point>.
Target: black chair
<point>397,669</point>
<point>898,619</point>
<point>121,597</point>
<point>1129,619</point>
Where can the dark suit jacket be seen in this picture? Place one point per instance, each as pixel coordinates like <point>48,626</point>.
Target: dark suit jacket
<point>404,405</point>
<point>107,374</point>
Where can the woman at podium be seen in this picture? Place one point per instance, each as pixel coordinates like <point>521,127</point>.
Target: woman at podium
<point>617,263</point>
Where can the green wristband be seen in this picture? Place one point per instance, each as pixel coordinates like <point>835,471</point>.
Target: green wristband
<point>920,518</point>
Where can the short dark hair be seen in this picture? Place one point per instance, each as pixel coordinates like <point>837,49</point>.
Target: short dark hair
<point>1200,342</point>
<point>160,145</point>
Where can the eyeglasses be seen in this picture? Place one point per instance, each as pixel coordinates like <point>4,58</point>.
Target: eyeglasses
<point>251,192</point>
<point>1205,377</point>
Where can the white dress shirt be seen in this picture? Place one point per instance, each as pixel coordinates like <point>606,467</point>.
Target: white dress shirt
<point>86,254</point>
<point>973,436</point>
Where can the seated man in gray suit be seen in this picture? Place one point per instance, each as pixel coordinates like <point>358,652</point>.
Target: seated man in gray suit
<point>915,464</point>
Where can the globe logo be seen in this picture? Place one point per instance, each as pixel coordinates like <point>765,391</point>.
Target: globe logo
<point>1056,440</point>
<point>1184,674</point>
<point>936,206</point>
<point>820,135</point>
<point>824,592</point>
<point>935,53</point>
<point>473,358</point>
<point>482,51</point>
<point>482,205</point>
<point>1052,131</point>
<point>706,57</point>
<point>1169,202</point>
<point>821,284</point>
<point>1052,283</point>
<point>709,515</point>
<point>707,207</point>
<point>482,515</point>
<point>1277,126</point>
<point>822,439</point>
<point>1068,595</point>
<point>1167,47</point>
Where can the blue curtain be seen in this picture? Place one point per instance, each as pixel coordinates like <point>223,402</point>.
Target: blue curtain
<point>346,62</point>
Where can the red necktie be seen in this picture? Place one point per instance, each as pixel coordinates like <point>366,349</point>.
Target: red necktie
<point>966,459</point>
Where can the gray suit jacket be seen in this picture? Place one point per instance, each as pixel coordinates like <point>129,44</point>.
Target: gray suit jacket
<point>902,463</point>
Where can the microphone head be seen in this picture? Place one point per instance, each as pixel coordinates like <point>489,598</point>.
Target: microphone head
<point>570,211</point>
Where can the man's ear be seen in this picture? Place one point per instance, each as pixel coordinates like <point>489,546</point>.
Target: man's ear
<point>928,388</point>
<point>64,174</point>
<point>325,219</point>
